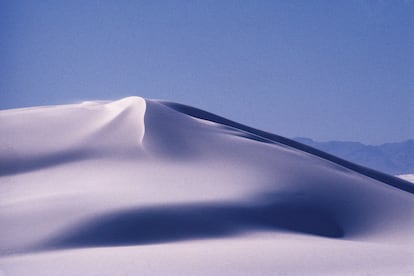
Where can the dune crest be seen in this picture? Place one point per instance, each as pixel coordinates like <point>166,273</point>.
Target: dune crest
<point>38,137</point>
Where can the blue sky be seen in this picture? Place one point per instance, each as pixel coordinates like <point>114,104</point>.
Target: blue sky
<point>329,70</point>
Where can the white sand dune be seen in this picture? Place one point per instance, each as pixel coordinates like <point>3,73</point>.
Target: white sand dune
<point>136,187</point>
<point>408,177</point>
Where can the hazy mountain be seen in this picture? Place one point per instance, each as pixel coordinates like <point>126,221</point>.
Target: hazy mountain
<point>392,158</point>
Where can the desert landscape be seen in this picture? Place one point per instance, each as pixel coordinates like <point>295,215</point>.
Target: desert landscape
<point>139,186</point>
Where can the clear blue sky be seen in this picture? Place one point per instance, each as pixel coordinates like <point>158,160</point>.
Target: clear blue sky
<point>328,70</point>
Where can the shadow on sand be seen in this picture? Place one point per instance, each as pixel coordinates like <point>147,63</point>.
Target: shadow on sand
<point>194,221</point>
<point>266,137</point>
<point>12,166</point>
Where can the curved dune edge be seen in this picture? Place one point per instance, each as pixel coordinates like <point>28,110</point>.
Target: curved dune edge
<point>148,174</point>
<point>272,138</point>
<point>38,137</point>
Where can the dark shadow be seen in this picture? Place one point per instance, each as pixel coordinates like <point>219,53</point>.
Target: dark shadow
<point>11,163</point>
<point>262,136</point>
<point>194,221</point>
<point>12,166</point>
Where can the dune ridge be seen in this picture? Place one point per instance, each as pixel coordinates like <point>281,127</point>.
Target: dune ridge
<point>35,138</point>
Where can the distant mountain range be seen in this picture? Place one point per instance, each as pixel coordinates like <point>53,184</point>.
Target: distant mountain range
<point>391,158</point>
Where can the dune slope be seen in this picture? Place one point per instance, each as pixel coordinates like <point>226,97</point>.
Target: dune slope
<point>146,186</point>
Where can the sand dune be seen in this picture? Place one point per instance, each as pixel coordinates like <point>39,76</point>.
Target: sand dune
<point>408,177</point>
<point>141,186</point>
